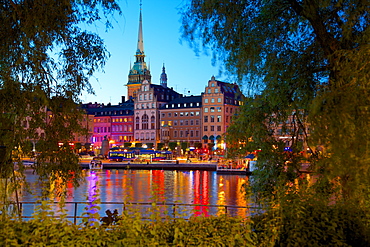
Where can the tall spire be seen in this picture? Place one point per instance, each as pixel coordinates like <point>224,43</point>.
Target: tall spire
<point>140,40</point>
<point>139,71</point>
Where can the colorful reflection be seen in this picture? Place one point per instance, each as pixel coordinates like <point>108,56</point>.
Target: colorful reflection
<point>205,189</point>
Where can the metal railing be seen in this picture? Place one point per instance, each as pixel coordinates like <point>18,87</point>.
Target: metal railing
<point>75,210</point>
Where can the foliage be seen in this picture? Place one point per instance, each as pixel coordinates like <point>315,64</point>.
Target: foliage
<point>184,146</point>
<point>160,146</point>
<point>198,145</point>
<point>127,144</point>
<point>129,231</point>
<point>46,60</point>
<point>172,145</point>
<point>306,65</point>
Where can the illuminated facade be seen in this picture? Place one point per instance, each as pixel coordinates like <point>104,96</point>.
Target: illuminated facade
<point>221,101</point>
<point>181,120</point>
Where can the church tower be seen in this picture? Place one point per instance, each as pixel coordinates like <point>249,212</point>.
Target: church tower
<point>139,72</point>
<point>163,79</point>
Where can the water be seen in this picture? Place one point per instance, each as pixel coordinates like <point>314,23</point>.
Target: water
<point>145,186</point>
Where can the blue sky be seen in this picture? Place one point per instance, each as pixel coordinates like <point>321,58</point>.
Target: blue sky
<point>186,71</point>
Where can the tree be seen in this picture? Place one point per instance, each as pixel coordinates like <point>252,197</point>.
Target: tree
<point>46,60</point>
<point>303,60</point>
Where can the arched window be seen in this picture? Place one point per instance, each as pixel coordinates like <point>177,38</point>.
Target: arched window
<point>137,123</point>
<point>144,122</point>
<point>152,122</point>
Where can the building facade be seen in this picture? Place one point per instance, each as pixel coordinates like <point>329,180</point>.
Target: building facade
<point>181,120</point>
<point>150,98</point>
<point>221,102</point>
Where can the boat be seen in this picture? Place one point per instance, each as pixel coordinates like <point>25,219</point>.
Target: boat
<point>96,165</point>
<point>229,170</point>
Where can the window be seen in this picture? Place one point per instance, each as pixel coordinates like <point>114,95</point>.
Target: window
<point>205,100</point>
<point>181,122</point>
<point>175,114</point>
<point>212,119</point>
<point>181,114</point>
<point>144,96</point>
<point>219,100</point>
<point>196,133</point>
<point>216,90</point>
<point>175,123</point>
<point>197,113</point>
<point>227,119</point>
<point>192,114</point>
<point>212,128</point>
<point>218,109</point>
<point>169,114</point>
<point>206,109</point>
<point>144,121</point>
<point>175,133</point>
<point>219,119</point>
<point>140,97</point>
<point>152,122</point>
<point>197,122</point>
<point>191,122</point>
<point>191,133</point>
<point>218,128</point>
<point>212,109</point>
<point>209,90</point>
<point>206,119</point>
<point>181,133</point>
<point>213,84</point>
<point>212,100</point>
<point>205,128</point>
<point>186,114</point>
<point>137,123</point>
<point>186,122</point>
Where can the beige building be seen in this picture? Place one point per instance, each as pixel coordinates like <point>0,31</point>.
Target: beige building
<point>181,120</point>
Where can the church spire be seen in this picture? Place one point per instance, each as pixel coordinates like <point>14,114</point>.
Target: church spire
<point>140,40</point>
<point>139,71</point>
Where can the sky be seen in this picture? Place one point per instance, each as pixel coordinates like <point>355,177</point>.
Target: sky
<point>186,71</point>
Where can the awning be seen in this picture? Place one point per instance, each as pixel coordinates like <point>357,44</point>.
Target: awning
<point>205,137</point>
<point>249,156</point>
<point>212,137</point>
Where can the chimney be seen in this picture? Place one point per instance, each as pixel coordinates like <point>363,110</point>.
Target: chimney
<point>123,99</point>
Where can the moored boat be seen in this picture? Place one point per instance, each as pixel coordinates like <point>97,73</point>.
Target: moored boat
<point>96,165</point>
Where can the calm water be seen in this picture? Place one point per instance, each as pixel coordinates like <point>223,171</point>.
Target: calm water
<point>187,187</point>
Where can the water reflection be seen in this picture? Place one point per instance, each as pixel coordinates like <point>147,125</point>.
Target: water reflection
<point>187,187</point>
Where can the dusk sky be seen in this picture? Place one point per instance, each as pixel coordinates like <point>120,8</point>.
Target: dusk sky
<point>162,44</point>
